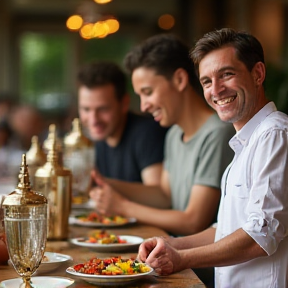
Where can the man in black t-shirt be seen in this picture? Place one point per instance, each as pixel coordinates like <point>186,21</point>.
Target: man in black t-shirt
<point>129,146</point>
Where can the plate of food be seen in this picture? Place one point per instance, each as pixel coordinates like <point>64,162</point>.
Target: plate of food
<point>110,271</point>
<point>102,241</point>
<point>50,262</point>
<point>93,219</point>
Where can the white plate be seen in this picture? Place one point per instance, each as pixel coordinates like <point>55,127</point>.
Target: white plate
<point>132,242</point>
<point>41,281</point>
<point>74,220</point>
<point>55,260</point>
<point>107,279</point>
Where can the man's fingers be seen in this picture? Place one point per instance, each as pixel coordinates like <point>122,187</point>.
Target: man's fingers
<point>145,248</point>
<point>97,177</point>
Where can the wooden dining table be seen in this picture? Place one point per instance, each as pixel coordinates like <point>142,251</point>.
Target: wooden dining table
<point>183,279</point>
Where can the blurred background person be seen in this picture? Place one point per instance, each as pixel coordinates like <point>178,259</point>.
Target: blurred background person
<point>25,122</point>
<point>21,123</point>
<point>6,104</point>
<point>128,146</point>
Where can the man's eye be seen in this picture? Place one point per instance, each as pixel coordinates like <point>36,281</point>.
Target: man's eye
<point>227,74</point>
<point>147,92</point>
<point>104,109</point>
<point>206,83</point>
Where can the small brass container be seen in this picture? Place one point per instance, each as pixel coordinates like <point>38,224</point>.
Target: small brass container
<point>55,182</point>
<point>78,156</point>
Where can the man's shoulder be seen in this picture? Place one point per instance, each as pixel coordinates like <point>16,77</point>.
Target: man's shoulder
<point>275,120</point>
<point>274,123</point>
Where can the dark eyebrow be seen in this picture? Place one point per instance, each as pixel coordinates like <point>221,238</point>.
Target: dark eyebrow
<point>227,68</point>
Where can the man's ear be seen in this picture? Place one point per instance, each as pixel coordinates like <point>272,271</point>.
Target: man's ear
<point>180,79</point>
<point>259,73</point>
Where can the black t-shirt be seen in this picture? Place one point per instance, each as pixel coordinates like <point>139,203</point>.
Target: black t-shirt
<point>141,145</point>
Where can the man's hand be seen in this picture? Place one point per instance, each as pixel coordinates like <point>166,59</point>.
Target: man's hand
<point>160,255</point>
<point>107,200</point>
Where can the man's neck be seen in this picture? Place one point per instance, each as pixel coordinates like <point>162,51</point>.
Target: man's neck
<point>114,139</point>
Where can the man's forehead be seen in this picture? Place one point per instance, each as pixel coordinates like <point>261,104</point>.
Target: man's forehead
<point>218,60</point>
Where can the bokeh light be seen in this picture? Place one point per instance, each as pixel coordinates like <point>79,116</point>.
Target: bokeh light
<point>86,31</point>
<point>102,1</point>
<point>113,25</point>
<point>100,30</point>
<point>74,22</point>
<point>166,21</point>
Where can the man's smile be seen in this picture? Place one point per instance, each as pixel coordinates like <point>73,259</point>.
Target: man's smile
<point>225,101</point>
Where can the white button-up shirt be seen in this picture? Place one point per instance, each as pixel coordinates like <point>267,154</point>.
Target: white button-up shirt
<point>255,198</point>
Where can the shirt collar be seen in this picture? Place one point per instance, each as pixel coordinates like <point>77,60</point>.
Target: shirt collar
<point>241,138</point>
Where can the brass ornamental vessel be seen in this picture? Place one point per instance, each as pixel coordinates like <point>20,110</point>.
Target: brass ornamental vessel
<point>55,182</point>
<point>78,156</point>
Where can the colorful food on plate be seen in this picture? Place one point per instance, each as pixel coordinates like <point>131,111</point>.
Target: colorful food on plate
<point>97,218</point>
<point>112,266</point>
<point>103,237</point>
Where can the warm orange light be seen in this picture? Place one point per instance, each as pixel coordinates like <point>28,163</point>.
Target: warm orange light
<point>74,22</point>
<point>86,31</point>
<point>113,25</point>
<point>100,29</point>
<point>102,1</point>
<point>166,21</point>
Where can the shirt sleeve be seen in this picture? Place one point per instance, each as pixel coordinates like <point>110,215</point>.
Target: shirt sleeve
<point>267,208</point>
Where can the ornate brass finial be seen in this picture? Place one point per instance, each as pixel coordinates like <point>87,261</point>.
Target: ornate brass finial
<point>23,194</point>
<point>52,155</point>
<point>76,127</point>
<point>52,134</point>
<point>75,139</point>
<point>35,155</point>
<point>23,176</point>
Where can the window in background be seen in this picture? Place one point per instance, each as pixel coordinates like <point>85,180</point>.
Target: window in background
<point>43,70</point>
<point>112,48</point>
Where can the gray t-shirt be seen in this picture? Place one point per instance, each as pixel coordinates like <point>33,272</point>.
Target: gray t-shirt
<point>202,160</point>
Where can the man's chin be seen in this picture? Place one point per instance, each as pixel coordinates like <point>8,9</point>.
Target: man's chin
<point>164,123</point>
<point>97,137</point>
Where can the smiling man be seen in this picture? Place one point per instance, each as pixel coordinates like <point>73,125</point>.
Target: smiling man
<point>129,146</point>
<point>249,247</point>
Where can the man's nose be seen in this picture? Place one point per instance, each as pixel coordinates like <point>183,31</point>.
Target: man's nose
<point>216,88</point>
<point>94,117</point>
<point>144,105</point>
